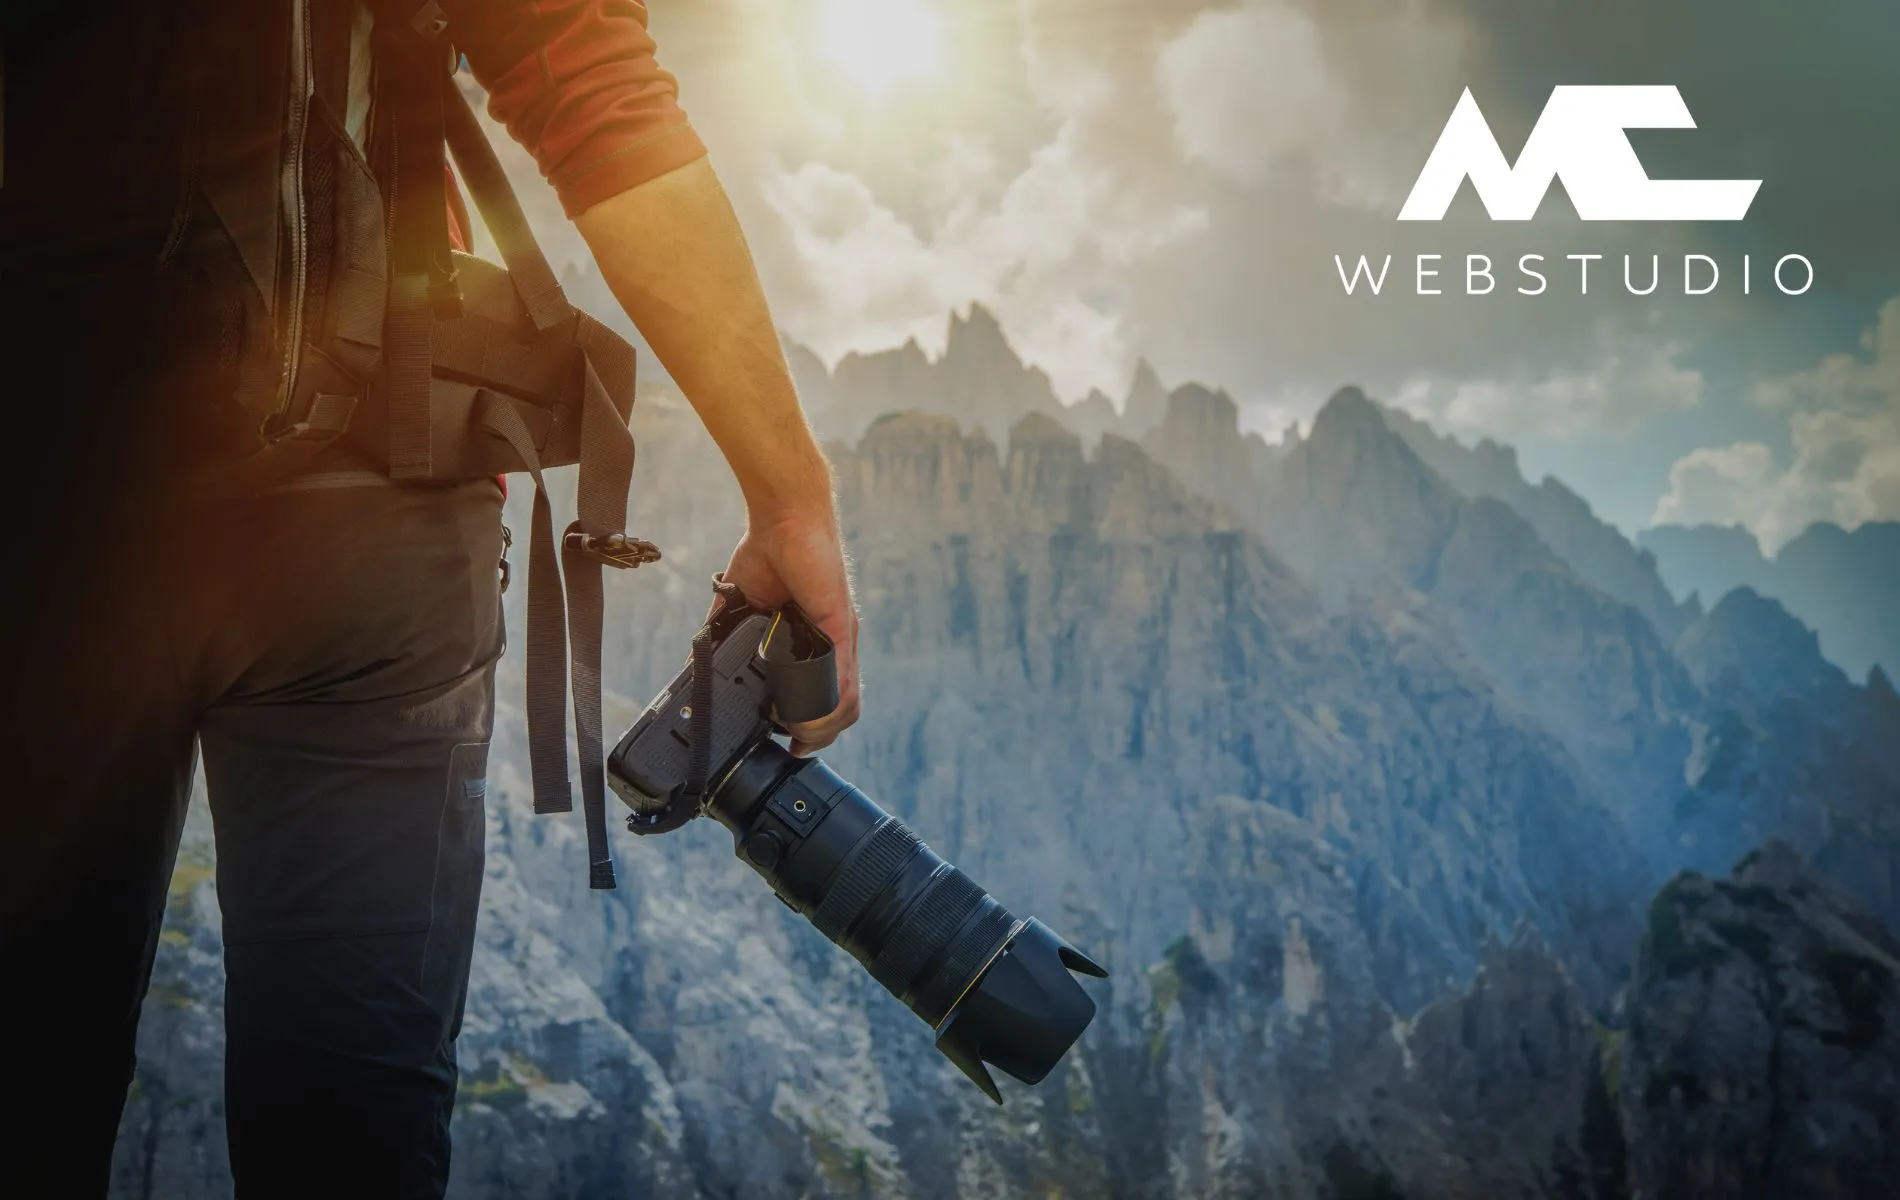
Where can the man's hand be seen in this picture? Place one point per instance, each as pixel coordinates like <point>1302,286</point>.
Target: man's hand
<point>672,251</point>
<point>800,558</point>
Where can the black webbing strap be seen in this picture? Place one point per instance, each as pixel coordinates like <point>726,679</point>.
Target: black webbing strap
<point>801,677</point>
<point>547,622</point>
<point>700,724</point>
<point>487,182</point>
<point>565,609</point>
<point>422,278</point>
<point>606,473</point>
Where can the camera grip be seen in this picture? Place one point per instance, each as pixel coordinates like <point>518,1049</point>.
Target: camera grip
<point>801,668</point>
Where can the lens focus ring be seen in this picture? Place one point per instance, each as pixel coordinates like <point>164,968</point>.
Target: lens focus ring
<point>862,876</point>
<point>926,930</point>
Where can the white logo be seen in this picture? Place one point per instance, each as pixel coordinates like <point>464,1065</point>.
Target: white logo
<point>1579,138</point>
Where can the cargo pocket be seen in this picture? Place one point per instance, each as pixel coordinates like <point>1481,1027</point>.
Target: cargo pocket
<point>456,898</point>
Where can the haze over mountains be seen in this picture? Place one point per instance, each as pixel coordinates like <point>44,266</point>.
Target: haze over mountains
<point>1360,762</point>
<point>1845,584</point>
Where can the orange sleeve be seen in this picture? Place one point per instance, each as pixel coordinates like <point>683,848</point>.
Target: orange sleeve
<point>577,83</point>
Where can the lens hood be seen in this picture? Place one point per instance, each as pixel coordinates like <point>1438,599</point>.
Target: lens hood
<point>1023,1013</point>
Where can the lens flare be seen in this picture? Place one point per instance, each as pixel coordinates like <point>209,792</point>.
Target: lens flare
<point>880,43</point>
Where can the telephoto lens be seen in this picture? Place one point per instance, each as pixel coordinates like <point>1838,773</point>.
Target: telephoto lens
<point>996,988</point>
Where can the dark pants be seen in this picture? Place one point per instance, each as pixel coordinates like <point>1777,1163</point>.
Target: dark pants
<point>330,649</point>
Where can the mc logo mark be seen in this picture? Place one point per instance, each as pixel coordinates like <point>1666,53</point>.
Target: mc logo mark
<point>1579,138</point>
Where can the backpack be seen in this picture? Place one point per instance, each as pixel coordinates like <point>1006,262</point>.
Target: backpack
<point>194,158</point>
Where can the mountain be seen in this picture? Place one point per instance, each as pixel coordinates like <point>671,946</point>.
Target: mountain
<point>1147,403</point>
<point>1707,560</point>
<point>1791,749</point>
<point>979,380</point>
<point>1110,705</point>
<point>1356,785</point>
<point>1845,584</point>
<point>1354,509</point>
<point>1762,1056</point>
<point>1198,438</point>
<point>1592,547</point>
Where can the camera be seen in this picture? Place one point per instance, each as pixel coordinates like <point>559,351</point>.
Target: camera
<point>995,988</point>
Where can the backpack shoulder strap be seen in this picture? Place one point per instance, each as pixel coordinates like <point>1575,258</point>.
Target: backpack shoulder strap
<point>488,186</point>
<point>602,385</point>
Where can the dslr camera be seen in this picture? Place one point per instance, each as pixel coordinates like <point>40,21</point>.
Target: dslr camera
<point>994,987</point>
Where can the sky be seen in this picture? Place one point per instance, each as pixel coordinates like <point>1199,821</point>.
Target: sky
<point>1171,179</point>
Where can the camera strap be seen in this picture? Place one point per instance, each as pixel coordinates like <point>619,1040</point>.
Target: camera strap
<point>796,657</point>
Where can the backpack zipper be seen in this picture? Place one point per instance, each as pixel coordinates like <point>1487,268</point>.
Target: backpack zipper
<point>301,72</point>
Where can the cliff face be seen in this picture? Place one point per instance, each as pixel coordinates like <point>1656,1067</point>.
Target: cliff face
<point>1763,1050</point>
<point>1353,508</point>
<point>1593,548</point>
<point>1791,750</point>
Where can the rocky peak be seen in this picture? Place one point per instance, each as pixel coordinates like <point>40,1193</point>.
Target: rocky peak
<point>1353,506</point>
<point>1749,641</point>
<point>1147,403</point>
<point>1092,416</point>
<point>1046,473</point>
<point>1135,496</point>
<point>1349,415</point>
<point>983,382</point>
<point>1880,688</point>
<point>977,335</point>
<point>1597,551</point>
<point>1198,407</point>
<point>1199,440</point>
<point>1763,1050</point>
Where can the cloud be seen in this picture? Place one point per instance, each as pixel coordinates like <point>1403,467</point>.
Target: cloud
<point>1045,256</point>
<point>1626,383</point>
<point>1278,85</point>
<point>1171,180</point>
<point>1844,430</point>
<point>1241,115</point>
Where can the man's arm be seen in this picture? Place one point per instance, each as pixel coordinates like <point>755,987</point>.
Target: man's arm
<point>672,251</point>
<point>578,84</point>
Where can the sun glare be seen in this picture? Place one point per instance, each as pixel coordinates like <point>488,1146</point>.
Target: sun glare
<point>881,42</point>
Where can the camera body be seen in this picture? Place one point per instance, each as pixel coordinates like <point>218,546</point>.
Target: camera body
<point>994,987</point>
<point>763,663</point>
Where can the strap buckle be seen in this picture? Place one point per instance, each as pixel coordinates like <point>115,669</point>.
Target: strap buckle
<point>613,549</point>
<point>428,20</point>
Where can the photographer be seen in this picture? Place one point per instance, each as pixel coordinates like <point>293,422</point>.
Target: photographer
<point>328,643</point>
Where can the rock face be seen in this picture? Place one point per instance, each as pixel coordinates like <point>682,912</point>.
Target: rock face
<point>1309,776</point>
<point>1763,1050</point>
<point>1199,440</point>
<point>1593,548</point>
<point>1845,585</point>
<point>1354,509</point>
<point>1792,750</point>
